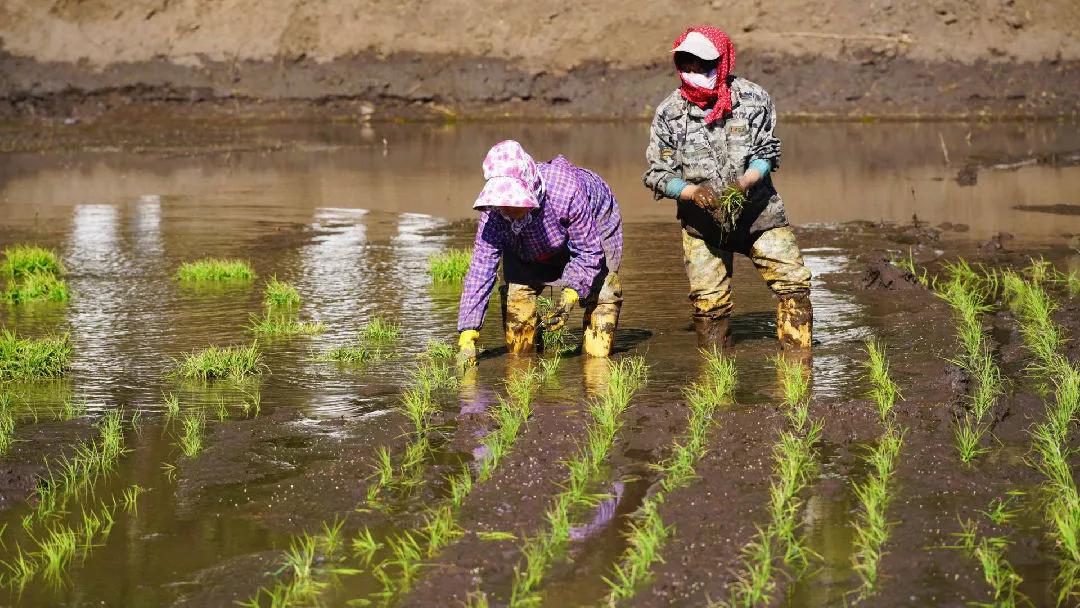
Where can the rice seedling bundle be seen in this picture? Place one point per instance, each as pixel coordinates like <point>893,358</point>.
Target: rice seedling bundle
<point>23,260</point>
<point>280,295</point>
<point>450,266</point>
<point>31,358</point>
<point>37,287</point>
<point>215,269</point>
<point>213,363</point>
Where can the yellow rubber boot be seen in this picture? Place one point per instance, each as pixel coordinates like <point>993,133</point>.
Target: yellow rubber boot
<point>600,331</point>
<point>520,321</point>
<point>795,321</point>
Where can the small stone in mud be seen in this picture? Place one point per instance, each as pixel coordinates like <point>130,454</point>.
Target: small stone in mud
<point>967,176</point>
<point>996,243</point>
<point>883,274</point>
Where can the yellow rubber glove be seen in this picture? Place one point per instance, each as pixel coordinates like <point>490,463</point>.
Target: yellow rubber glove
<point>467,347</point>
<point>560,314</point>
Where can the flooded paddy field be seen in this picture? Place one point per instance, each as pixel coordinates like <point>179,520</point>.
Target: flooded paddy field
<point>312,483</point>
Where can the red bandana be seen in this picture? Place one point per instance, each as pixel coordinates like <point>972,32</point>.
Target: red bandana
<point>721,95</point>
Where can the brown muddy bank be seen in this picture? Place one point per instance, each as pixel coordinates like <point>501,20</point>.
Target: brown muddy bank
<point>450,87</point>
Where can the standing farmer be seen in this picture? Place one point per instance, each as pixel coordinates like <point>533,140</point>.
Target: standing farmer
<point>712,149</point>
<point>551,224</point>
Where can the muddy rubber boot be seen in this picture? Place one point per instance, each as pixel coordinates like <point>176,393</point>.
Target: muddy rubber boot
<point>795,321</point>
<point>519,322</point>
<point>713,332</point>
<point>600,330</point>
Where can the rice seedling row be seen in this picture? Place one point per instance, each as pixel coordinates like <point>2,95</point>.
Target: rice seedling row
<point>874,493</point>
<point>794,465</point>
<point>1043,338</point>
<point>439,528</point>
<point>408,550</point>
<point>648,533</point>
<point>540,550</point>
<point>969,293</point>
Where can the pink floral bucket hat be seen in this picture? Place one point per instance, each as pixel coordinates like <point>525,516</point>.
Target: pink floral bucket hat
<point>512,178</point>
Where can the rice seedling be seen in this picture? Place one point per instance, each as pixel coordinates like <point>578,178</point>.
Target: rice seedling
<point>624,379</point>
<point>990,553</point>
<point>280,295</point>
<point>884,390</point>
<point>130,498</point>
<point>648,533</point>
<point>32,358</point>
<point>1001,511</point>
<point>438,350</point>
<point>969,434</point>
<point>23,260</point>
<point>379,331</point>
<point>252,403</point>
<point>222,410</point>
<point>908,264</point>
<point>172,404</point>
<point>70,410</point>
<point>193,429</point>
<point>331,540</point>
<point>476,599</point>
<point>37,287</point>
<point>450,266</point>
<point>215,269</point>
<point>56,550</point>
<point>214,363</point>
<point>7,423</point>
<point>277,324</point>
<point>364,546</point>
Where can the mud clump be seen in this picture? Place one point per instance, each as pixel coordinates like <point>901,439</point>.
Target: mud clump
<point>999,242</point>
<point>883,274</point>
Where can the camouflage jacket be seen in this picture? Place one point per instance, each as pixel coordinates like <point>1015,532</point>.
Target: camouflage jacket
<point>682,146</point>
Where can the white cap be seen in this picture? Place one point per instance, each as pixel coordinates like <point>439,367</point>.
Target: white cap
<point>697,44</point>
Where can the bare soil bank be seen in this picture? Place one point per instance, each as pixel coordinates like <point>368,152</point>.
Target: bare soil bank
<point>559,59</point>
<point>410,85</point>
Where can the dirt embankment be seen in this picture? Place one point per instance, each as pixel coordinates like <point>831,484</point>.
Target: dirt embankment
<point>599,58</point>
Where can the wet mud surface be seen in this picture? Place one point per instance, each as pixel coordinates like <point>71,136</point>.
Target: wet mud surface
<point>210,530</point>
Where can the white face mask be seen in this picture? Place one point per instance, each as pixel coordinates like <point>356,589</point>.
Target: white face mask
<point>705,81</point>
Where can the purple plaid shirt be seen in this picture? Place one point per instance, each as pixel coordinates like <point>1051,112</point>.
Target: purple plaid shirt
<point>578,215</point>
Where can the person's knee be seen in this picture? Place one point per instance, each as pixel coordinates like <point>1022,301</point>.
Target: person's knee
<point>716,306</point>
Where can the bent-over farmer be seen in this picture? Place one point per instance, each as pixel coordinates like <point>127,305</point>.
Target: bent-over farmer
<point>712,149</point>
<point>551,224</point>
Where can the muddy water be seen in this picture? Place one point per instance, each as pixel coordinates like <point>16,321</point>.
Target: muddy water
<point>349,215</point>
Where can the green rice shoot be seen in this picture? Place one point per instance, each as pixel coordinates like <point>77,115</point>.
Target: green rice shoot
<point>281,324</point>
<point>33,358</point>
<point>449,267</point>
<point>215,269</point>
<point>24,260</point>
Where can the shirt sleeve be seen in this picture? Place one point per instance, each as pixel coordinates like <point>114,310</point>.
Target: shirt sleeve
<point>585,244</point>
<point>765,145</point>
<point>664,175</point>
<point>483,271</point>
